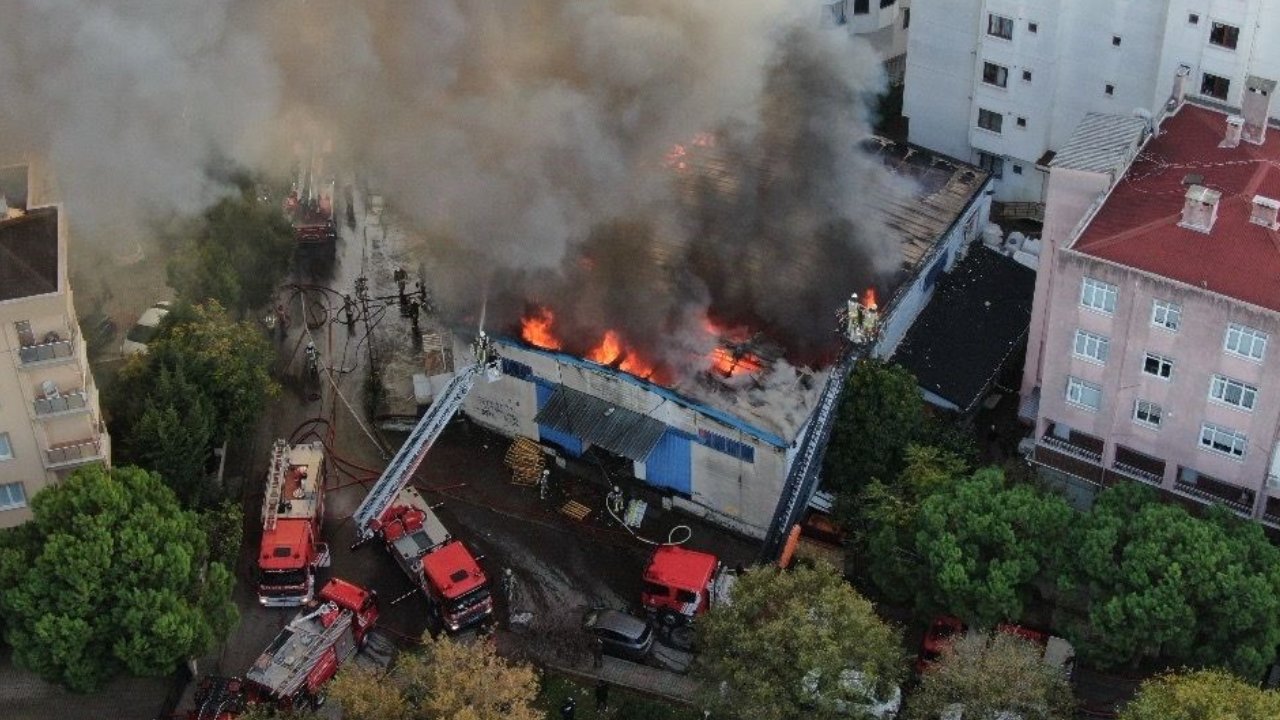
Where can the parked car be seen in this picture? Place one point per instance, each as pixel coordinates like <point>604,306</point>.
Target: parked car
<point>620,634</point>
<point>135,341</point>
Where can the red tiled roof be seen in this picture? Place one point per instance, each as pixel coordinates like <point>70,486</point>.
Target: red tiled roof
<point>1138,224</point>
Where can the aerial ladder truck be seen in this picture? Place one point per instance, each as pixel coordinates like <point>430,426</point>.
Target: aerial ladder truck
<point>292,516</point>
<point>439,565</point>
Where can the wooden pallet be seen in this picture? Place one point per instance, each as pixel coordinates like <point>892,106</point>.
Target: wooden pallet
<point>526,461</point>
<point>575,510</point>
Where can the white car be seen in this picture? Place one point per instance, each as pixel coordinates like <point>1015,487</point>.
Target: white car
<point>140,334</point>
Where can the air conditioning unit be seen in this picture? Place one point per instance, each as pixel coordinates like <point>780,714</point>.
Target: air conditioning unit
<point>50,390</point>
<point>1273,482</point>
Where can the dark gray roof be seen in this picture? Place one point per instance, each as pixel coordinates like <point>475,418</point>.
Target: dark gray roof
<point>594,421</point>
<point>29,254</point>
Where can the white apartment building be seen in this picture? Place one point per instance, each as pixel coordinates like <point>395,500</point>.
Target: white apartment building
<point>1004,83</point>
<point>883,24</point>
<point>50,421</point>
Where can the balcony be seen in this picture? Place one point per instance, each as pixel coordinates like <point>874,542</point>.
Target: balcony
<point>1271,512</point>
<point>1213,491</point>
<point>64,455</point>
<point>1138,466</point>
<point>64,404</point>
<point>47,352</point>
<point>1077,454</point>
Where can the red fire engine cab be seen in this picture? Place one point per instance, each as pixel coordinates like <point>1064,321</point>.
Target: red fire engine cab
<point>292,671</point>
<point>681,584</point>
<point>439,566</point>
<point>292,515</point>
<point>309,207</point>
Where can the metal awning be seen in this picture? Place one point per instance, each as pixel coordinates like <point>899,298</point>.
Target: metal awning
<point>596,422</point>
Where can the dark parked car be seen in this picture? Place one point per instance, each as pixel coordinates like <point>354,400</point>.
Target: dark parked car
<point>620,634</point>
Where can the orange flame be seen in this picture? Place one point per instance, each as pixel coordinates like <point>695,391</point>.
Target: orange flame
<point>608,351</point>
<point>869,299</point>
<point>536,329</point>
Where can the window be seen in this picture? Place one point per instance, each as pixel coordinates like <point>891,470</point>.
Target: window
<point>887,3</point>
<point>12,496</point>
<point>1193,19</point>
<point>861,7</point>
<point>988,120</point>
<point>1147,413</point>
<point>1083,394</point>
<point>993,164</point>
<point>1115,41</point>
<point>6,448</point>
<point>1232,392</point>
<point>716,441</point>
<point>1215,86</point>
<point>1033,27</point>
<point>1000,26</point>
<point>993,74</point>
<point>1098,295</point>
<point>685,596</point>
<point>1022,122</point>
<point>1222,440</point>
<point>1109,89</point>
<point>1165,314</point>
<point>1245,341</point>
<point>516,369</point>
<point>1224,35</point>
<point>1026,76</point>
<point>906,18</point>
<point>1092,347</point>
<point>1017,169</point>
<point>1157,365</point>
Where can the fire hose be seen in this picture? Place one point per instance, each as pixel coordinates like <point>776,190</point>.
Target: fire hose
<point>613,504</point>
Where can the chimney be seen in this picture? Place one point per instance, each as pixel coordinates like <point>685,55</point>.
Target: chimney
<point>1231,138</point>
<point>1179,87</point>
<point>1200,209</point>
<point>1265,212</point>
<point>1255,105</point>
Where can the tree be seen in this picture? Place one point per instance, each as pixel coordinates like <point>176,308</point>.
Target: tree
<point>174,434</point>
<point>787,643</point>
<point>444,680</point>
<point>1201,695</point>
<point>236,254</point>
<point>1159,582</point>
<point>110,576</point>
<point>984,542</point>
<point>880,414</point>
<point>991,674</point>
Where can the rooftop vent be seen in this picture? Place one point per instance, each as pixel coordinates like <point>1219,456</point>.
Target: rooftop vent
<point>1231,138</point>
<point>1255,106</point>
<point>1193,179</point>
<point>1200,209</point>
<point>1265,211</point>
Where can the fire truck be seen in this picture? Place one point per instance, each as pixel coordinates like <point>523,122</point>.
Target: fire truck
<point>292,514</point>
<point>309,207</point>
<point>292,671</point>
<point>681,584</point>
<point>439,566</point>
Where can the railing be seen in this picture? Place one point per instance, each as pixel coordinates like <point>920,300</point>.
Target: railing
<point>1069,448</point>
<point>65,403</point>
<point>1021,211</point>
<point>1202,494</point>
<point>56,350</point>
<point>73,453</point>
<point>1137,473</point>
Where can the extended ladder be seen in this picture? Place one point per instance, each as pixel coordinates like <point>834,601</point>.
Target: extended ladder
<point>285,674</point>
<point>275,483</point>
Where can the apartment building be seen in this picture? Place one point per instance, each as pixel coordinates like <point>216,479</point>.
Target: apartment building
<point>1004,83</point>
<point>50,421</point>
<point>883,24</point>
<point>1154,345</point>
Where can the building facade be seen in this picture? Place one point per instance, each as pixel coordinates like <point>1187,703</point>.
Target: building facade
<point>1003,83</point>
<point>1154,352</point>
<point>50,421</point>
<point>883,24</point>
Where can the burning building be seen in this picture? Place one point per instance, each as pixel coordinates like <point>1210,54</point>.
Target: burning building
<point>716,415</point>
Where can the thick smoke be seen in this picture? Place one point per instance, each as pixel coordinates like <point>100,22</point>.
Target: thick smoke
<point>532,142</point>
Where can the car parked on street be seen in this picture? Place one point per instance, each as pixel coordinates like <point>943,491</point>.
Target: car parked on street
<point>135,341</point>
<point>620,635</point>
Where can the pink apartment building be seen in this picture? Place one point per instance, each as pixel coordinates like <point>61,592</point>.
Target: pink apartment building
<point>1154,347</point>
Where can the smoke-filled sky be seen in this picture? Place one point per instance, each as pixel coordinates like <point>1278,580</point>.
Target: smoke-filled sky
<point>530,139</point>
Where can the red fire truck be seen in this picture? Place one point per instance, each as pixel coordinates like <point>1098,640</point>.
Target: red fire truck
<point>681,584</point>
<point>292,671</point>
<point>309,207</point>
<point>441,567</point>
<point>292,514</point>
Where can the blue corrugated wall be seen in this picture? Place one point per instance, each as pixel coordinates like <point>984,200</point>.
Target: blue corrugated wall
<point>570,444</point>
<point>669,463</point>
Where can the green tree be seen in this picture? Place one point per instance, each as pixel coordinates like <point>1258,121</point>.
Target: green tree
<point>1160,582</point>
<point>887,518</point>
<point>1201,695</point>
<point>236,254</point>
<point>789,644</point>
<point>984,542</point>
<point>110,576</point>
<point>174,434</point>
<point>990,674</point>
<point>880,414</point>
<point>442,680</point>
